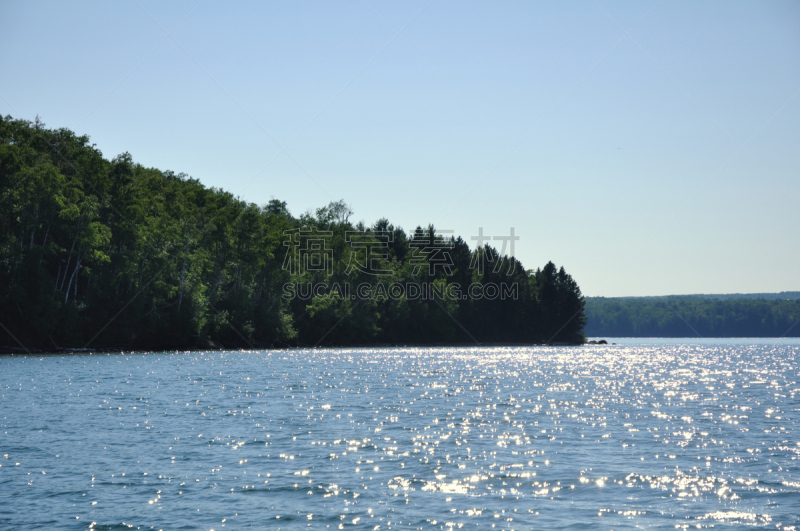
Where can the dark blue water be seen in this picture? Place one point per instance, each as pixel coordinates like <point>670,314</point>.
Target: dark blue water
<point>647,434</point>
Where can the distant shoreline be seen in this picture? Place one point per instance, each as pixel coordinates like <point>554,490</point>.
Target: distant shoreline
<point>725,316</point>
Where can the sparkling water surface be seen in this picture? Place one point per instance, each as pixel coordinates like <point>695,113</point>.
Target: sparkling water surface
<point>661,433</point>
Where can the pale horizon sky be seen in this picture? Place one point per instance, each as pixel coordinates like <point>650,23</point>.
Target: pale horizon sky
<point>649,148</point>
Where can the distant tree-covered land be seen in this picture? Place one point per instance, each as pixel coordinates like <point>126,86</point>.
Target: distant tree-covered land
<point>746,315</point>
<point>104,253</point>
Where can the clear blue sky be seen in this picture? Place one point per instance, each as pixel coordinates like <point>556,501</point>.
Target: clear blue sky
<point>650,148</point>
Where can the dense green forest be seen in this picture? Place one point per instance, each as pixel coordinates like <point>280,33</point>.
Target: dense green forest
<point>109,254</point>
<point>770,315</point>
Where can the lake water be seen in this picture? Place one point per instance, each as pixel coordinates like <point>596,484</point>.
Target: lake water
<point>660,433</point>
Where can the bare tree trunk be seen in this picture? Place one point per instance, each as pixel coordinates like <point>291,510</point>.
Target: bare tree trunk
<point>58,275</point>
<point>72,276</point>
<point>33,230</point>
<point>77,268</point>
<point>69,257</point>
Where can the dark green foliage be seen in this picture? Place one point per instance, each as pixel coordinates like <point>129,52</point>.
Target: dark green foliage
<point>113,254</point>
<point>693,316</point>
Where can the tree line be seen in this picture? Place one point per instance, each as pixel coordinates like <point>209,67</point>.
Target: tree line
<point>105,253</point>
<point>693,316</point>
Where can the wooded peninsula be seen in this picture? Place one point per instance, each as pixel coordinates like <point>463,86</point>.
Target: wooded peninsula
<point>100,253</point>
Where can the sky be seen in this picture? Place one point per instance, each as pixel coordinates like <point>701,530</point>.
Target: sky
<point>651,148</point>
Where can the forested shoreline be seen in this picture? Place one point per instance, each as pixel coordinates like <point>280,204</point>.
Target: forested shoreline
<point>100,253</point>
<point>746,315</point>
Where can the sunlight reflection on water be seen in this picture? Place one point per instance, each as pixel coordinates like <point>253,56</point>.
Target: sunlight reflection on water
<point>637,434</point>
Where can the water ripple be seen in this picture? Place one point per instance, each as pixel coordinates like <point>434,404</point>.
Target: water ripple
<point>632,435</point>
